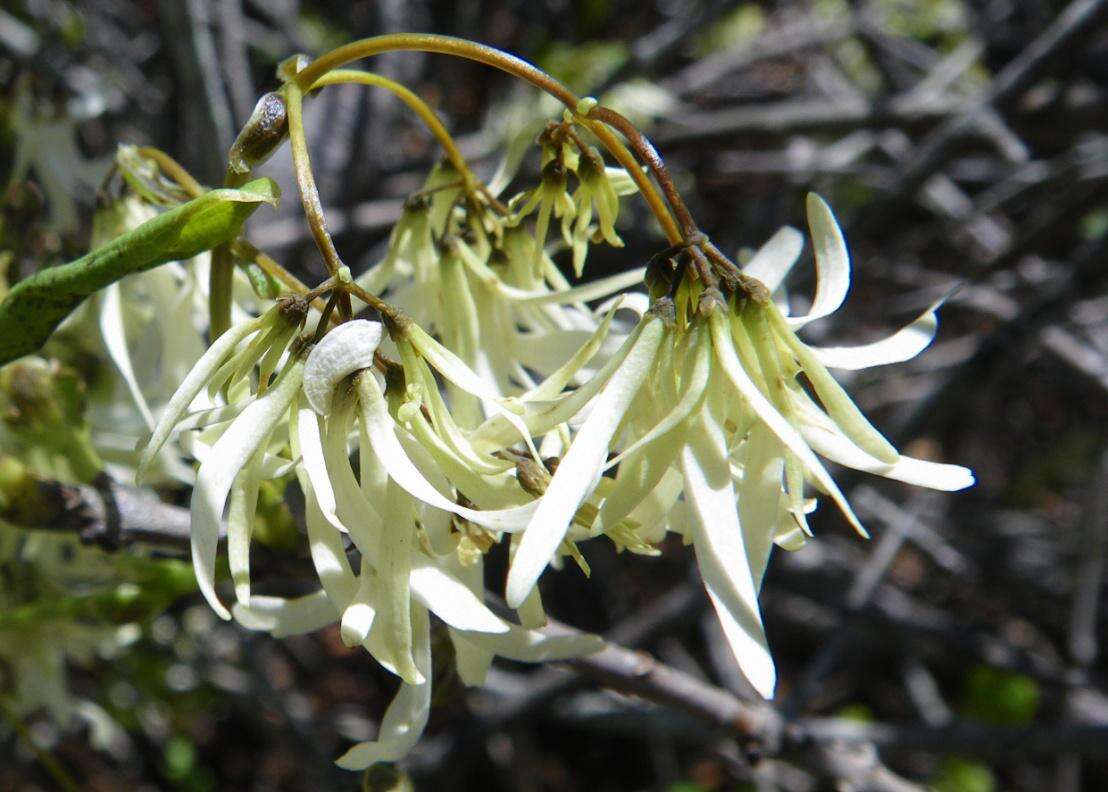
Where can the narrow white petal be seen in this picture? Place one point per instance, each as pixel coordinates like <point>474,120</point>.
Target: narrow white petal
<point>935,475</point>
<point>444,469</point>
<point>406,717</point>
<point>381,430</point>
<point>545,350</point>
<point>536,646</point>
<point>638,476</point>
<point>452,367</point>
<point>543,416</point>
<point>356,513</point>
<point>450,599</point>
<point>652,511</point>
<point>832,262</point>
<point>564,373</point>
<point>594,290</point>
<point>114,332</point>
<point>904,344</point>
<point>531,613</point>
<point>344,350</point>
<point>315,465</point>
<point>828,441</point>
<point>581,466</point>
<point>471,661</point>
<point>324,542</point>
<point>240,523</point>
<point>759,498</point>
<point>693,388</point>
<point>789,437</point>
<point>216,474</point>
<point>191,386</point>
<point>775,258</point>
<point>282,617</point>
<point>201,419</point>
<point>394,566</point>
<point>357,619</point>
<point>840,406</point>
<point>722,556</point>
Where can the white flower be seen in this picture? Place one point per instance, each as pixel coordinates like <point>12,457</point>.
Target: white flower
<point>388,515</point>
<point>580,469</point>
<point>230,455</point>
<point>488,290</point>
<point>713,410</point>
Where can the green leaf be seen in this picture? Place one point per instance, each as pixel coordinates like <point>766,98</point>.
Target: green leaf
<point>37,305</point>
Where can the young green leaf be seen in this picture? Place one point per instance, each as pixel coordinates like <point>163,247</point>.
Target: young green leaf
<point>38,304</point>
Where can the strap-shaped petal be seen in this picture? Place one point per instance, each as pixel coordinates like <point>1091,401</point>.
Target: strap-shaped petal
<point>760,497</point>
<point>582,465</point>
<point>639,475</point>
<point>193,383</point>
<point>693,390</point>
<point>406,717</point>
<point>240,522</point>
<point>281,617</point>
<point>451,600</point>
<point>536,646</point>
<point>541,417</point>
<point>452,367</point>
<point>381,431</point>
<point>347,509</point>
<point>775,258</point>
<point>327,552</point>
<point>832,262</point>
<point>114,331</point>
<point>829,441</point>
<point>721,554</point>
<point>394,567</point>
<point>471,661</point>
<point>357,619</point>
<point>218,471</point>
<point>840,406</point>
<point>904,344</point>
<point>774,421</point>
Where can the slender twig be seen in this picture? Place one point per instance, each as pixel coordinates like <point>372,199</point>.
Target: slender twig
<point>106,514</point>
<point>305,180</point>
<point>174,170</point>
<point>966,738</point>
<point>428,116</point>
<point>309,194</point>
<point>649,154</point>
<point>373,301</point>
<point>449,45</point>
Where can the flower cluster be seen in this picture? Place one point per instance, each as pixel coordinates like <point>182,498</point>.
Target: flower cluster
<point>487,399</point>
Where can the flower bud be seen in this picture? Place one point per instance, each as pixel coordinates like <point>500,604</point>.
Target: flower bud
<point>265,130</point>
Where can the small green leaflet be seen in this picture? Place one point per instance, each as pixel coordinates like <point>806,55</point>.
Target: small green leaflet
<point>38,304</point>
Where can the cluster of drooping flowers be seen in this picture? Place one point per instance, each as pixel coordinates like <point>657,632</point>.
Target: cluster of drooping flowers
<point>484,400</point>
